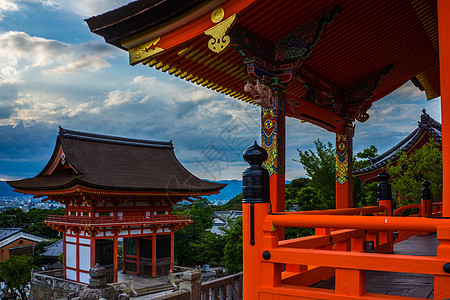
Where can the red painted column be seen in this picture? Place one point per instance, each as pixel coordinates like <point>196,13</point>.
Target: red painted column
<point>154,255</point>
<point>115,264</point>
<point>273,140</point>
<point>138,256</point>
<point>124,251</point>
<point>64,255</point>
<point>172,249</point>
<point>344,165</point>
<point>92,250</point>
<point>444,61</point>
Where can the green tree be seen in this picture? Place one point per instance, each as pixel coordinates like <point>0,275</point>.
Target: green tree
<point>233,247</point>
<point>409,171</point>
<point>233,204</point>
<point>361,159</point>
<point>292,191</point>
<point>364,193</point>
<point>209,248</point>
<point>16,272</point>
<point>186,251</point>
<point>320,166</point>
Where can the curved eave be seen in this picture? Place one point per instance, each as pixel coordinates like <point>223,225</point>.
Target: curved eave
<point>371,172</point>
<point>77,189</point>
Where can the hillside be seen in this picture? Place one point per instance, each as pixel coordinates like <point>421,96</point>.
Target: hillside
<point>6,190</point>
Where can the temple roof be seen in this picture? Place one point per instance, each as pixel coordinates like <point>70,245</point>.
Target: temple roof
<point>339,56</point>
<point>427,128</point>
<point>99,163</point>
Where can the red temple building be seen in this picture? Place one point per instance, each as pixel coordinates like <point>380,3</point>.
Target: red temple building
<point>324,62</point>
<point>427,128</point>
<point>115,188</point>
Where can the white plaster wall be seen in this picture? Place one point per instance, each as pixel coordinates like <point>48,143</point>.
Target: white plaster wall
<point>84,277</point>
<point>71,239</point>
<point>85,241</point>
<point>71,255</point>
<point>85,258</point>
<point>71,275</point>
<point>135,231</point>
<point>147,231</point>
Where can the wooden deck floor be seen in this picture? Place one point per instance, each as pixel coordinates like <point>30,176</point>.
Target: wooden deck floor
<point>401,284</point>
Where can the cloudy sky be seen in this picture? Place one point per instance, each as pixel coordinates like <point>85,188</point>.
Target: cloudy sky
<point>55,72</point>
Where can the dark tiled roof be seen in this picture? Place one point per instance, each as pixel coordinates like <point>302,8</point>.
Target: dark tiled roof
<point>116,163</point>
<point>7,232</point>
<point>137,17</point>
<point>426,124</point>
<point>54,250</point>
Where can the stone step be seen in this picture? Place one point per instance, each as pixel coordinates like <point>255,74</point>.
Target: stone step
<point>154,289</point>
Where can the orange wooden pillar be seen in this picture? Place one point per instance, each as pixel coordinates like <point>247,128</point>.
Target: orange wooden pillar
<point>442,282</point>
<point>115,263</point>
<point>154,255</point>
<point>444,62</point>
<point>273,140</point>
<point>255,206</point>
<point>124,249</point>
<point>344,165</point>
<point>172,249</point>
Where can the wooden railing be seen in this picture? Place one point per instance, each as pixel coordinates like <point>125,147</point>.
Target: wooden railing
<point>291,266</point>
<point>225,288</point>
<point>114,221</point>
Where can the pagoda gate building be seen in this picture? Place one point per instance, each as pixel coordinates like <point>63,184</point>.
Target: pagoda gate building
<point>115,188</point>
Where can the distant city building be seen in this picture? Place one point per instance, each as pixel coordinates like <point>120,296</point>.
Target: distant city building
<point>113,188</point>
<point>222,218</point>
<point>16,241</point>
<point>52,252</point>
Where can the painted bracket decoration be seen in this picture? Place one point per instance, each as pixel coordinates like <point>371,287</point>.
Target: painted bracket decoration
<point>262,93</point>
<point>342,147</point>
<point>144,51</point>
<point>220,40</point>
<point>307,111</point>
<point>358,94</point>
<point>299,43</point>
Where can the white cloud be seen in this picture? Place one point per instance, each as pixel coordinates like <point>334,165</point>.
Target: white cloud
<point>84,62</point>
<point>31,54</point>
<point>88,8</point>
<point>9,75</point>
<point>6,6</point>
<point>119,97</point>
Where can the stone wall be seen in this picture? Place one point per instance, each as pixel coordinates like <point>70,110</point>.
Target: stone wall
<point>39,291</point>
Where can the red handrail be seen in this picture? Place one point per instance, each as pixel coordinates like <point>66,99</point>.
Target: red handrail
<point>405,207</point>
<point>105,220</point>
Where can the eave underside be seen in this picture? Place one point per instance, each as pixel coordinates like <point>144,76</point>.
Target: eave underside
<point>364,37</point>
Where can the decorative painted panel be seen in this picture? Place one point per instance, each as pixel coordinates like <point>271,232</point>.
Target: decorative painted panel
<point>299,43</point>
<point>343,156</point>
<point>273,135</point>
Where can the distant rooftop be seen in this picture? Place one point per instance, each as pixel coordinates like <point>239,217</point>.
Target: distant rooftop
<point>427,127</point>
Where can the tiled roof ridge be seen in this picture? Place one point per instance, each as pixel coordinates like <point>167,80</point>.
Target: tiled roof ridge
<point>426,123</point>
<point>72,134</point>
